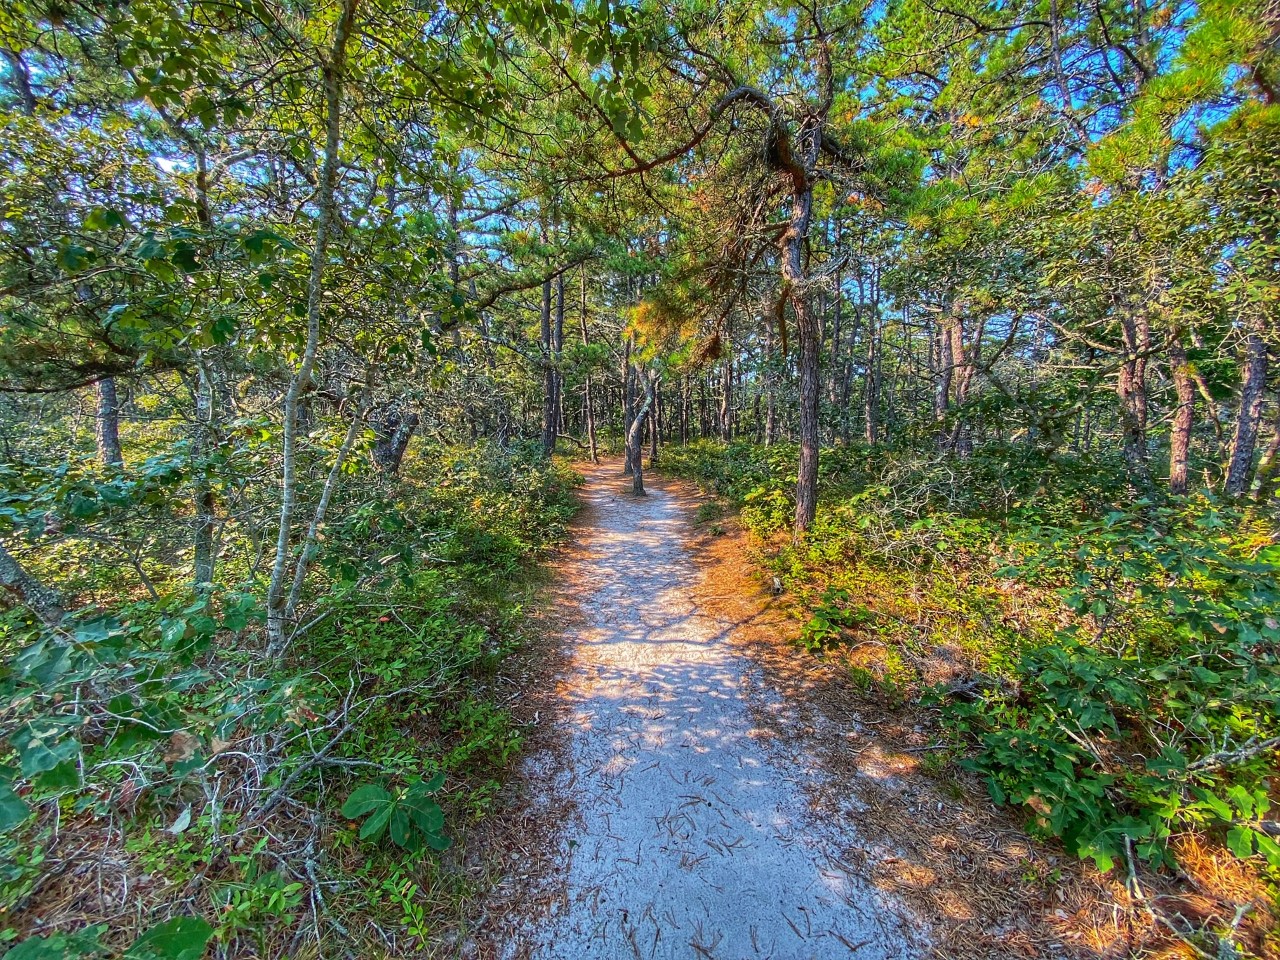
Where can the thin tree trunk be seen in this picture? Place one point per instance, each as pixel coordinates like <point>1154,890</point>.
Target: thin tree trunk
<point>726,396</point>
<point>1184,415</point>
<point>306,554</point>
<point>655,426</point>
<point>107,424</point>
<point>21,75</point>
<point>1264,477</point>
<point>333,71</point>
<point>550,409</point>
<point>770,384</point>
<point>43,601</point>
<point>809,333</point>
<point>205,503</point>
<point>1131,387</point>
<point>871,389</point>
<point>590,406</point>
<point>557,352</point>
<point>944,369</point>
<point>1253,382</point>
<point>628,407</point>
<point>635,435</point>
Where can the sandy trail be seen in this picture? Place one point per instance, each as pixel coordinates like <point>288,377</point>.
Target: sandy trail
<point>691,837</point>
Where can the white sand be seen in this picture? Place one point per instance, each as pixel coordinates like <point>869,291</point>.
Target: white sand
<point>691,838</point>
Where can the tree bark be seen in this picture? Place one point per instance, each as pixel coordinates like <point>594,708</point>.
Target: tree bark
<point>726,395</point>
<point>1253,383</point>
<point>809,334</point>
<point>871,388</point>
<point>204,561</point>
<point>628,407</point>
<point>550,408</point>
<point>107,424</point>
<point>1265,476</point>
<point>655,426</point>
<point>635,436</point>
<point>21,75</point>
<point>586,389</point>
<point>392,432</point>
<point>1183,416</point>
<point>944,369</point>
<point>333,72</point>
<point>43,601</point>
<point>1131,387</point>
<point>306,554</point>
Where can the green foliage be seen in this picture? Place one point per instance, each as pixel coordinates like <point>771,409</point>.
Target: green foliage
<point>1155,709</point>
<point>182,938</point>
<point>409,816</point>
<point>417,601</point>
<point>1141,717</point>
<point>832,617</point>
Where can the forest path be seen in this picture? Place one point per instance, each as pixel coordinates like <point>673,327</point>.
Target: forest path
<point>690,835</point>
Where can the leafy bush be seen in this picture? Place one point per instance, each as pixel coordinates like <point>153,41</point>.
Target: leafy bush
<point>1158,707</point>
<point>160,715</point>
<point>1123,659</point>
<point>411,818</point>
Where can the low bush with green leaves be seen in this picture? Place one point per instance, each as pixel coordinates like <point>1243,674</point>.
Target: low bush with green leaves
<point>1122,658</point>
<point>222,781</point>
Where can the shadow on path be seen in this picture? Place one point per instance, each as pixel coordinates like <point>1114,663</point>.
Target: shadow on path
<point>691,837</point>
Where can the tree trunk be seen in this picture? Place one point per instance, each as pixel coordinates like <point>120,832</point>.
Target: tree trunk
<point>635,436</point>
<point>550,408</point>
<point>1183,416</point>
<point>1131,387</point>
<point>944,369</point>
<point>871,388</point>
<point>21,75</point>
<point>726,396</point>
<point>43,601</point>
<point>586,389</point>
<point>306,554</point>
<point>107,424</point>
<point>557,353</point>
<point>1264,477</point>
<point>205,503</point>
<point>770,384</point>
<point>655,426</point>
<point>392,432</point>
<point>809,333</point>
<point>333,70</point>
<point>628,408</point>
<point>1253,382</point>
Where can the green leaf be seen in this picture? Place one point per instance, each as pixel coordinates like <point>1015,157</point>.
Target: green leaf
<point>365,799</point>
<point>426,813</point>
<point>376,825</point>
<point>13,809</point>
<point>182,938</point>
<point>43,748</point>
<point>401,827</point>
<point>438,842</point>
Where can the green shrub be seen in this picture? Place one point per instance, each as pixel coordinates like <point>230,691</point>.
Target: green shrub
<point>1126,657</point>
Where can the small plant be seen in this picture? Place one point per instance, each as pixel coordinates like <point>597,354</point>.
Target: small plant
<point>410,816</point>
<point>832,617</point>
<point>709,511</point>
<point>182,938</point>
<point>403,892</point>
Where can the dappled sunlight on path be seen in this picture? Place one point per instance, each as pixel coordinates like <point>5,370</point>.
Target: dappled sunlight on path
<point>691,836</point>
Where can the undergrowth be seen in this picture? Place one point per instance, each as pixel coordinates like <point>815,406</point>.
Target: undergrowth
<point>1107,664</point>
<point>164,786</point>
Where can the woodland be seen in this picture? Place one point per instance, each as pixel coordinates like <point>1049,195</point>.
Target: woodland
<point>969,310</point>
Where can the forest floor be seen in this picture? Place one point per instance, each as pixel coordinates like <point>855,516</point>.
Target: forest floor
<point>701,788</point>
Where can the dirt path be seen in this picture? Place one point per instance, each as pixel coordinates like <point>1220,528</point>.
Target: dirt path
<point>690,834</point>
